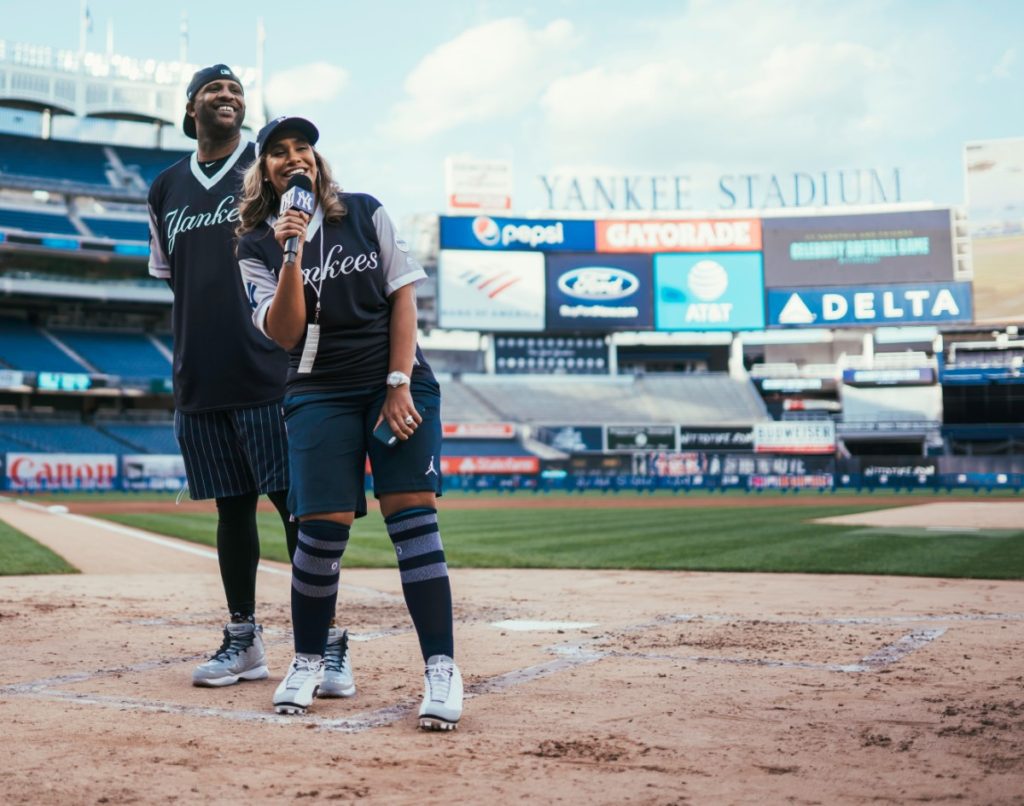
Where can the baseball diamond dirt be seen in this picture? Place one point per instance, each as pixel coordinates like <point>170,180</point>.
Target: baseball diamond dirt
<point>594,687</point>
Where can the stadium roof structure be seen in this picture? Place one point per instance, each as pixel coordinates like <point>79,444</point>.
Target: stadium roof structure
<point>108,86</point>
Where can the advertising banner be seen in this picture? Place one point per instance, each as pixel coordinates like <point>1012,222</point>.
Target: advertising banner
<point>520,234</point>
<point>490,291</point>
<point>708,291</point>
<point>472,184</point>
<point>641,437</point>
<point>720,439</point>
<point>995,209</point>
<point>471,465</point>
<point>550,355</point>
<point>572,438</point>
<point>866,249</point>
<point>795,436</point>
<point>147,471</point>
<point>599,292</point>
<point>707,235</point>
<point>870,306</point>
<point>61,471</point>
<point>478,431</point>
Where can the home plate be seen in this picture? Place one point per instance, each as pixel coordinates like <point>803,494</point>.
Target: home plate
<point>542,626</point>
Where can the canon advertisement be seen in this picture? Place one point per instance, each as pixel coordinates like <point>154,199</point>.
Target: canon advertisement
<point>599,292</point>
<point>61,471</point>
<point>497,291</point>
<point>846,250</point>
<point>516,234</point>
<point>709,291</point>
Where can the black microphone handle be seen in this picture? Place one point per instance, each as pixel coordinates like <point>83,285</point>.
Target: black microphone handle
<point>291,249</point>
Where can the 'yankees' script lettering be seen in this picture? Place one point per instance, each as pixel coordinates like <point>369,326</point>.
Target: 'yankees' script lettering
<point>179,221</point>
<point>335,265</point>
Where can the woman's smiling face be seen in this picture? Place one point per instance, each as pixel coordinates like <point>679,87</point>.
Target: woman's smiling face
<point>287,155</point>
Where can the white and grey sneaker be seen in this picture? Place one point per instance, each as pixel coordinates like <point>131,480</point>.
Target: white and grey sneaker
<point>240,657</point>
<point>442,694</point>
<point>296,692</point>
<point>338,680</point>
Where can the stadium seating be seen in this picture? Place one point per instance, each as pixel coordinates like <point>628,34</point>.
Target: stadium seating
<point>148,162</point>
<point>693,399</point>
<point>128,355</point>
<point>118,229</point>
<point>484,447</point>
<point>24,347</point>
<point>38,222</point>
<point>53,161</point>
<point>143,437</point>
<point>59,438</point>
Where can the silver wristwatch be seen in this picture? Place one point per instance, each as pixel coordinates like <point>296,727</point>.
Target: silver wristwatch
<point>396,379</point>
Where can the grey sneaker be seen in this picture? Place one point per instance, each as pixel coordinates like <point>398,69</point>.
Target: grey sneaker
<point>338,681</point>
<point>240,657</point>
<point>300,685</point>
<point>442,694</point>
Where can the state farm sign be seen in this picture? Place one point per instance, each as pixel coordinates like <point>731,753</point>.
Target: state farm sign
<point>712,235</point>
<point>61,471</point>
<point>465,465</point>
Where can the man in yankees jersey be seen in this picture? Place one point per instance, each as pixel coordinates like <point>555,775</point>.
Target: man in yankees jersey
<point>228,377</point>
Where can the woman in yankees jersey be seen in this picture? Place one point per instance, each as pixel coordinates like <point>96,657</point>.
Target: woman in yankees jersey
<point>345,308</point>
<point>228,378</point>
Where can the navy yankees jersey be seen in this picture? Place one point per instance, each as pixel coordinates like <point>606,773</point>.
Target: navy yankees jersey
<point>220,360</point>
<point>352,267</point>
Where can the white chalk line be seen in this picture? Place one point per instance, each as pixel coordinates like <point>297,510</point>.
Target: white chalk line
<point>853,621</point>
<point>176,545</point>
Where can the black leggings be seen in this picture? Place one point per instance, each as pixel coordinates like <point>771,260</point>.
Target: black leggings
<point>238,547</point>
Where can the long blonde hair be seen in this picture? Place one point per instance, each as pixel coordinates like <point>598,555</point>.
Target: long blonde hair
<point>259,199</point>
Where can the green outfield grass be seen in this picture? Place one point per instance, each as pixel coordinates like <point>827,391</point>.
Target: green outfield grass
<point>20,554</point>
<point>760,538</point>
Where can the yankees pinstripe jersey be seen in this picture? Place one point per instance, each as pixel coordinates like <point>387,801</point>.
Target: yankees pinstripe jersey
<point>352,267</point>
<point>220,360</point>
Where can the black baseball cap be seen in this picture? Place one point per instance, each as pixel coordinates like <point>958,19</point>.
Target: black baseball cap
<point>199,80</point>
<point>301,125</point>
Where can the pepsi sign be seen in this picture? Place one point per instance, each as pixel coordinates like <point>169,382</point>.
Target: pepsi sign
<point>516,234</point>
<point>595,292</point>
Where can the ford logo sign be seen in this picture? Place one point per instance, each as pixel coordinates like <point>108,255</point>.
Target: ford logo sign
<point>598,283</point>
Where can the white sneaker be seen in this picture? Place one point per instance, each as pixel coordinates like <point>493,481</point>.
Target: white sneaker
<point>240,657</point>
<point>442,694</point>
<point>338,680</point>
<point>296,692</point>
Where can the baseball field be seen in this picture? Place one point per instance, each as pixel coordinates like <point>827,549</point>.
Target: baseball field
<point>616,649</point>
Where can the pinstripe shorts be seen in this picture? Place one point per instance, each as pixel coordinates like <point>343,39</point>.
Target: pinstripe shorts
<point>234,451</point>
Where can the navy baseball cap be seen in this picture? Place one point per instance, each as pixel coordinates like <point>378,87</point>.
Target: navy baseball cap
<point>199,80</point>
<point>283,123</point>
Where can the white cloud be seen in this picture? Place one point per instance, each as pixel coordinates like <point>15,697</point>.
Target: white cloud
<point>1004,67</point>
<point>313,83</point>
<point>489,72</point>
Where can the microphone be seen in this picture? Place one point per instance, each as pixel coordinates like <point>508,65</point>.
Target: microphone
<point>298,196</point>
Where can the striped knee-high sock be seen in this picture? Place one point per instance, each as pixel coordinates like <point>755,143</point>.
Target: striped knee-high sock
<point>315,571</point>
<point>428,593</point>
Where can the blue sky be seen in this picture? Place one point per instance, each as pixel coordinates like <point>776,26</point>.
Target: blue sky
<point>700,89</point>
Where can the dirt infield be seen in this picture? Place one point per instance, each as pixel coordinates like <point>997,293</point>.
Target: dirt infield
<point>583,686</point>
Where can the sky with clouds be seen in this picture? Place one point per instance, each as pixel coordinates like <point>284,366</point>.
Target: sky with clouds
<point>583,88</point>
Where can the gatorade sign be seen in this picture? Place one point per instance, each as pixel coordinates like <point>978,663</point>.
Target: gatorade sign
<point>717,235</point>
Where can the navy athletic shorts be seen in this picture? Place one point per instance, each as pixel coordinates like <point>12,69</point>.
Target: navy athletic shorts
<point>330,435</point>
<point>234,451</point>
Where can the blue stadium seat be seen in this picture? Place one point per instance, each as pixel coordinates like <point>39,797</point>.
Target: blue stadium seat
<point>146,437</point>
<point>34,221</point>
<point>149,162</point>
<point>60,438</point>
<point>130,355</point>
<point>118,229</point>
<point>23,347</point>
<point>53,160</point>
